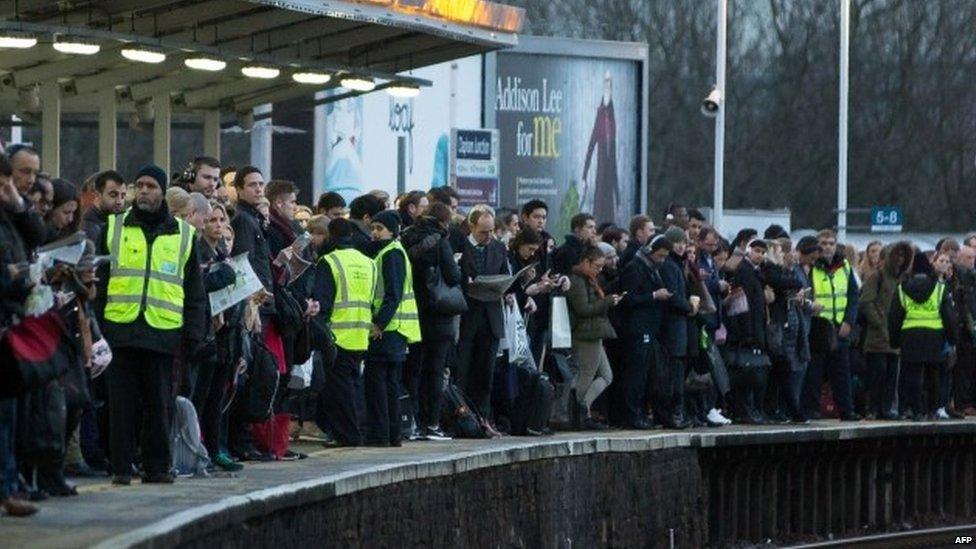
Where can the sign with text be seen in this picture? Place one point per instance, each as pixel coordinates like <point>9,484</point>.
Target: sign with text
<point>887,219</point>
<point>570,134</point>
<point>474,166</point>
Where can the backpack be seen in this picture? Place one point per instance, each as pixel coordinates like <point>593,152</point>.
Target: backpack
<point>190,457</point>
<point>260,383</point>
<point>533,406</point>
<point>41,416</point>
<point>460,416</point>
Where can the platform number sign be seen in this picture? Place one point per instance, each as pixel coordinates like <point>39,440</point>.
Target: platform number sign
<point>887,219</point>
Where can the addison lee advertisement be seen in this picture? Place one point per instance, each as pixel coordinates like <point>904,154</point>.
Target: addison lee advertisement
<point>569,131</point>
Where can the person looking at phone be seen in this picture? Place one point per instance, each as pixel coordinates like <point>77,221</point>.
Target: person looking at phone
<point>589,308</point>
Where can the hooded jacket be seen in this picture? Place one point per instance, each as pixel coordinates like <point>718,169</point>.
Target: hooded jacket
<point>920,345</point>
<point>428,245</point>
<point>879,289</point>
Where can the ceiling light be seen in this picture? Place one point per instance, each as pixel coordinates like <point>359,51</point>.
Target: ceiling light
<point>358,83</point>
<point>143,54</point>
<point>403,90</point>
<point>205,63</point>
<point>311,77</point>
<point>18,40</point>
<point>78,46</point>
<point>260,71</point>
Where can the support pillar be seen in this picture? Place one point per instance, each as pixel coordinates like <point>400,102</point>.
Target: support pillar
<point>162,131</point>
<point>51,127</point>
<point>211,134</point>
<point>261,138</point>
<point>107,129</point>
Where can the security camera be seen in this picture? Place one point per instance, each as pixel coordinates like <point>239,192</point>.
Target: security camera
<point>712,103</point>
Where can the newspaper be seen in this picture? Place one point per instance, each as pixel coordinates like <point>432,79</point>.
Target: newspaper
<point>290,258</point>
<point>493,287</point>
<point>245,284</point>
<point>66,250</point>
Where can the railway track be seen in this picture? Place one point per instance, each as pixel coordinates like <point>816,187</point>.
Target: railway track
<point>943,536</point>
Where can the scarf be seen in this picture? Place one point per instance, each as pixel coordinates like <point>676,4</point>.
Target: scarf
<point>592,280</point>
<point>282,225</point>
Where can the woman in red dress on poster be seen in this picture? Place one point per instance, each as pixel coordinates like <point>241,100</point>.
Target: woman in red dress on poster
<point>606,194</point>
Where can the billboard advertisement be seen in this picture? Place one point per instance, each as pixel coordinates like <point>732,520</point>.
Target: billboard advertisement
<point>375,141</point>
<point>572,129</point>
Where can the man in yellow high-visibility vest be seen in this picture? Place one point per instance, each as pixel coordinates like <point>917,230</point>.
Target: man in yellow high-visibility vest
<point>395,324</point>
<point>345,282</point>
<point>154,308</point>
<point>835,301</point>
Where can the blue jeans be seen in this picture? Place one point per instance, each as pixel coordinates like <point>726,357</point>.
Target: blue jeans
<point>8,462</point>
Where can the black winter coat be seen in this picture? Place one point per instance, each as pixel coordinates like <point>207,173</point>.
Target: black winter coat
<point>565,257</point>
<point>641,315</point>
<point>250,238</point>
<point>748,330</point>
<point>427,246</point>
<point>674,333</point>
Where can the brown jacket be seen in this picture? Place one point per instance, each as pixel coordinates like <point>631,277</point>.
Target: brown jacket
<point>877,293</point>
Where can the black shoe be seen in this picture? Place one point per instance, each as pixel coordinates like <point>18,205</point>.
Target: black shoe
<point>377,443</point>
<point>777,417</point>
<point>80,470</point>
<point>677,422</point>
<point>889,417</point>
<point>158,478</point>
<point>641,424</point>
<point>955,414</point>
<point>397,443</point>
<point>590,424</point>
<point>56,485</point>
<point>121,480</point>
<point>850,416</point>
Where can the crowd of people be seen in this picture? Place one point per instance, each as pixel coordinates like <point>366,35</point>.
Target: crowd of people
<point>210,319</point>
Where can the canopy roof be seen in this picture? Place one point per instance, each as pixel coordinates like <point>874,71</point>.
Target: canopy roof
<point>378,39</point>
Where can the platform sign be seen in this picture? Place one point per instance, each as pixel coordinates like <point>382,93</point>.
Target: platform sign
<point>474,166</point>
<point>887,219</point>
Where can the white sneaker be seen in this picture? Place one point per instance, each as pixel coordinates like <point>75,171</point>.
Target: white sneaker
<point>941,414</point>
<point>715,416</point>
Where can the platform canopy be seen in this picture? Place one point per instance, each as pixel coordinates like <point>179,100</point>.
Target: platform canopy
<point>372,39</point>
<point>155,57</point>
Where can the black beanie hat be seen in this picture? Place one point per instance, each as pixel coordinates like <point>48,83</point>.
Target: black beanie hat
<point>154,172</point>
<point>389,219</point>
<point>658,242</point>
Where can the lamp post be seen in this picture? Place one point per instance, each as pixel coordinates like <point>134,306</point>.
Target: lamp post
<point>845,44</point>
<point>718,188</point>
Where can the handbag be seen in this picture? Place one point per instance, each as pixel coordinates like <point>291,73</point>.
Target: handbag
<point>695,382</point>
<point>748,359</point>
<point>444,299</point>
<point>291,315</point>
<point>736,303</point>
<point>33,353</point>
<point>560,328</point>
<point>774,339</point>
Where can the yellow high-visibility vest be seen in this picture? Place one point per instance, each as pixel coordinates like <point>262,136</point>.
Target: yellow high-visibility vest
<point>146,280</point>
<point>406,320</point>
<point>830,290</point>
<point>355,281</point>
<point>922,315</point>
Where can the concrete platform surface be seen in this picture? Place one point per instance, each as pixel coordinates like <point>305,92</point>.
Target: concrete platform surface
<point>110,516</point>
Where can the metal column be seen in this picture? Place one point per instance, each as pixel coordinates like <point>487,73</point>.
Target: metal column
<point>107,129</point>
<point>51,127</point>
<point>162,129</point>
<point>211,134</point>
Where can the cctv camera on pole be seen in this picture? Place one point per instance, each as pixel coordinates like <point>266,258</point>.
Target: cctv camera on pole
<point>712,103</point>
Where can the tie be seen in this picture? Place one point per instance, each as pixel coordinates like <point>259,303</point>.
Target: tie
<point>480,258</point>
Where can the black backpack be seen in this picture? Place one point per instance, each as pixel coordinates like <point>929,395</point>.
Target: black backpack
<point>460,416</point>
<point>533,406</point>
<point>256,395</point>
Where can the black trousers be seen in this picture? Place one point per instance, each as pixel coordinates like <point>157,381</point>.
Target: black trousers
<point>836,366</point>
<point>964,374</point>
<point>208,399</point>
<point>920,387</point>
<point>476,361</point>
<point>381,381</point>
<point>669,379</point>
<point>632,383</point>
<point>338,411</point>
<point>883,373</point>
<point>428,391</point>
<point>140,386</point>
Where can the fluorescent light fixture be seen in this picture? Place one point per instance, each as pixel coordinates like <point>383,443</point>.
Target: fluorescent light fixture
<point>17,40</point>
<point>358,83</point>
<point>77,46</point>
<point>142,54</point>
<point>403,90</point>
<point>260,71</point>
<point>311,77</point>
<point>205,63</point>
